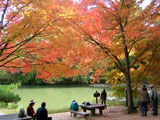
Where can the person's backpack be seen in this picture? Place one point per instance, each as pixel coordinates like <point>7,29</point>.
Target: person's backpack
<point>86,103</point>
<point>22,113</point>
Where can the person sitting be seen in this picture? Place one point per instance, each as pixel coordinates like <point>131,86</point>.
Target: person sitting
<point>22,113</point>
<point>30,109</point>
<point>74,106</point>
<point>42,113</point>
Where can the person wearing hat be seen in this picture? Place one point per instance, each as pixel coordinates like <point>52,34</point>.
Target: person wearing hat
<point>144,97</point>
<point>42,113</point>
<point>74,106</point>
<point>154,98</point>
<point>30,110</point>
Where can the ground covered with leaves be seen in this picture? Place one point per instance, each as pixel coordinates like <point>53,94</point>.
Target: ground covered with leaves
<point>111,113</point>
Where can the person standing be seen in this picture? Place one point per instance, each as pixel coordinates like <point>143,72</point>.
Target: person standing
<point>154,98</point>
<point>103,97</point>
<point>42,113</point>
<point>144,97</point>
<point>30,109</point>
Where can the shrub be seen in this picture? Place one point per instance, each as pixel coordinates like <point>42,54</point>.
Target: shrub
<point>28,78</point>
<point>3,105</point>
<point>7,95</point>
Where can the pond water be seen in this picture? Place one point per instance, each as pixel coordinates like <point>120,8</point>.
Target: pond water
<point>58,98</point>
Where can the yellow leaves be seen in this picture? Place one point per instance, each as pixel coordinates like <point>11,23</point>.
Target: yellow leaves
<point>114,77</point>
<point>51,23</point>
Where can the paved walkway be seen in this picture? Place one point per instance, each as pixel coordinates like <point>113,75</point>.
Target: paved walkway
<point>111,113</point>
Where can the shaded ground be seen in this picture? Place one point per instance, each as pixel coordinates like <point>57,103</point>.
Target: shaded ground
<point>111,113</point>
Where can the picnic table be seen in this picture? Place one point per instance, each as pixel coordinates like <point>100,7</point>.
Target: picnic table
<point>13,117</point>
<point>93,107</point>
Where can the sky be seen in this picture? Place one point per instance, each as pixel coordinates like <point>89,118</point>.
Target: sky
<point>145,3</point>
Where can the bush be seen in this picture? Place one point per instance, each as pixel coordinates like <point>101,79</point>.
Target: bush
<point>8,97</point>
<point>72,80</point>
<point>28,78</point>
<point>6,94</point>
<point>5,77</point>
<point>8,105</point>
<point>12,106</point>
<point>3,105</point>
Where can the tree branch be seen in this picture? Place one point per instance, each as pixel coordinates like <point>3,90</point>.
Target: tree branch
<point>4,12</point>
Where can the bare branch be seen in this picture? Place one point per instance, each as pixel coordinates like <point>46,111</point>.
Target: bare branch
<point>8,61</point>
<point>131,46</point>
<point>14,14</point>
<point>4,12</point>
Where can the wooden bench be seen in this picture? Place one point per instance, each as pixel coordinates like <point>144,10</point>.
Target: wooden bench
<point>14,117</point>
<point>81,113</point>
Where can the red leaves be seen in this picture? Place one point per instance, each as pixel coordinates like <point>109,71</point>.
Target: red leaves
<point>57,39</point>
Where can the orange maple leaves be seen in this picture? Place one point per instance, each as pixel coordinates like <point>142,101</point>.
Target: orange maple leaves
<point>64,38</point>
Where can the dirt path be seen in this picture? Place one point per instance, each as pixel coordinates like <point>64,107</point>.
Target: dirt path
<point>111,113</point>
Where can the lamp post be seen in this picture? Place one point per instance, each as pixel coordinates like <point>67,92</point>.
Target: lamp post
<point>96,94</point>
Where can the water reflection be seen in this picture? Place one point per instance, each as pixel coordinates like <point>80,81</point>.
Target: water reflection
<point>115,98</point>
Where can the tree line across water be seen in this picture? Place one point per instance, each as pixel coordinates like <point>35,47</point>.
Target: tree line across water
<point>31,79</point>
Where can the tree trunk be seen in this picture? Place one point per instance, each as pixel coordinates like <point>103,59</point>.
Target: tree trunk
<point>131,107</point>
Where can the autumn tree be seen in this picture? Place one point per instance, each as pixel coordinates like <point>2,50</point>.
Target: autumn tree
<point>27,27</point>
<point>62,38</point>
<point>37,35</point>
<point>122,30</point>
<point>16,30</point>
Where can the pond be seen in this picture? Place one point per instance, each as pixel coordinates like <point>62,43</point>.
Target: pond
<point>58,98</point>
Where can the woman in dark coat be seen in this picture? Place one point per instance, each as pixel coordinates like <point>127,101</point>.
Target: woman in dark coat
<point>144,100</point>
